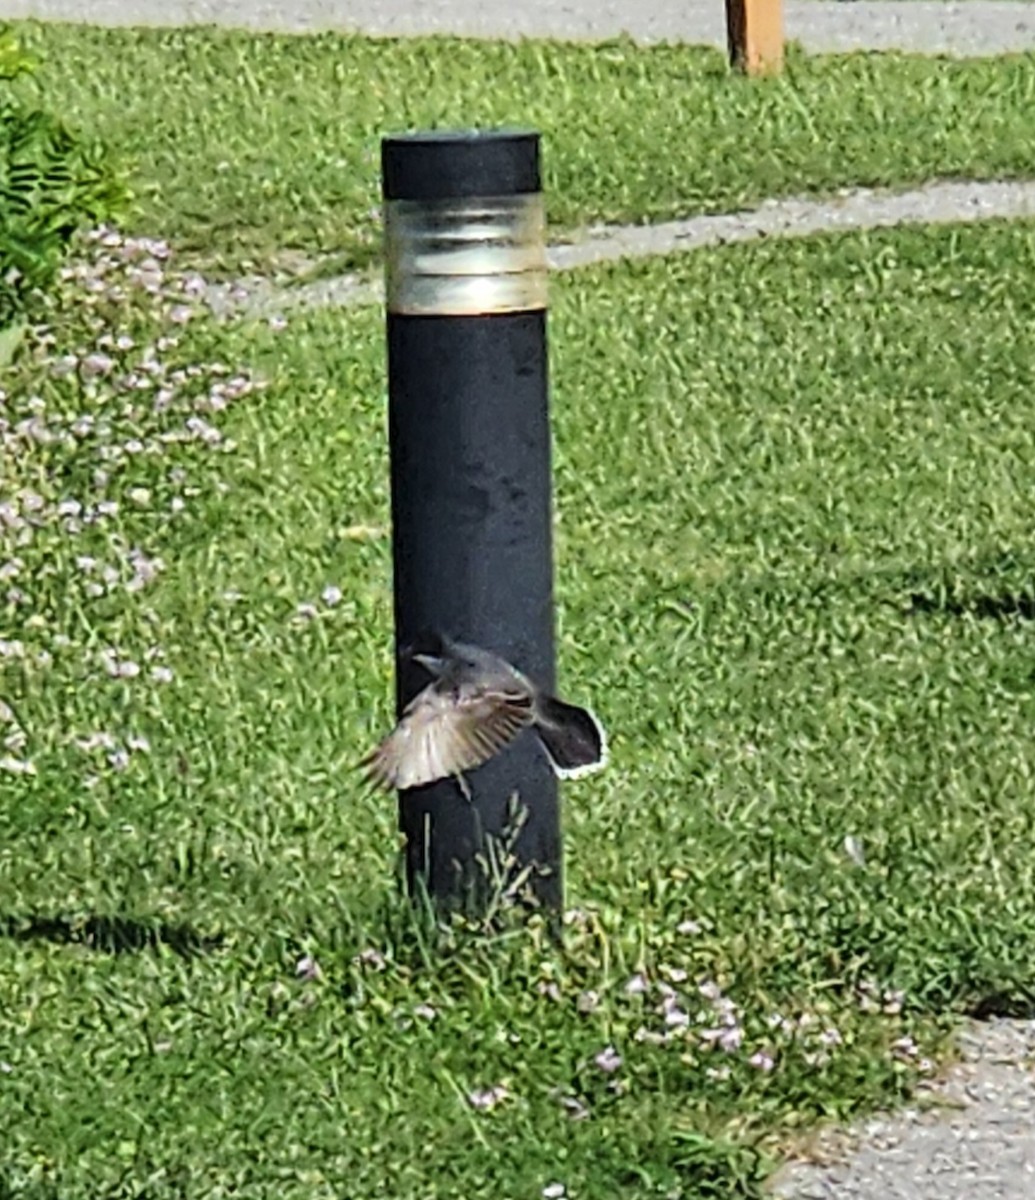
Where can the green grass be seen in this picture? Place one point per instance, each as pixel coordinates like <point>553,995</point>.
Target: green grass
<point>265,149</point>
<point>795,578</point>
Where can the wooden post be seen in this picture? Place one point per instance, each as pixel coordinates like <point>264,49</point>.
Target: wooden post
<point>755,34</point>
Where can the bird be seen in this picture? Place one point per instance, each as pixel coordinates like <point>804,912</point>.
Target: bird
<point>476,704</point>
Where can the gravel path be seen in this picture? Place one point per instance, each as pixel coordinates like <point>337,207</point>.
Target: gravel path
<point>930,26</point>
<point>971,1137</point>
<point>940,202</point>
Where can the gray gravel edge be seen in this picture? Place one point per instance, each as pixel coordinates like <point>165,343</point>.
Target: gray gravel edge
<point>973,27</point>
<point>858,209</point>
<point>969,1136</point>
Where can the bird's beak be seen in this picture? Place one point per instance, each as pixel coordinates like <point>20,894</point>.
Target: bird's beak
<point>431,663</point>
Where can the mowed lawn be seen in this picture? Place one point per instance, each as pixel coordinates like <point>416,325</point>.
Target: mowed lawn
<point>794,573</point>
<point>262,150</point>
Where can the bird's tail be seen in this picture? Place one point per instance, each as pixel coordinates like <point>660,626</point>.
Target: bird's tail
<point>572,737</point>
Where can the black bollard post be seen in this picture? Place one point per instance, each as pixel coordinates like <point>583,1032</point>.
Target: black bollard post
<point>471,483</point>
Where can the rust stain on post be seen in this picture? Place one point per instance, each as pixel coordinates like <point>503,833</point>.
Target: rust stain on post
<point>755,34</point>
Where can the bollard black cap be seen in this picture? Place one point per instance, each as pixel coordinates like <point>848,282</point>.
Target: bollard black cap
<point>450,165</point>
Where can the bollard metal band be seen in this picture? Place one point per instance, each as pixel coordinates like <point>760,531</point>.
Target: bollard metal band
<point>466,256</point>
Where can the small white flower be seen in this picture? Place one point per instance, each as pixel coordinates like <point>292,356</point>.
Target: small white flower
<point>554,1191</point>
<point>331,595</point>
<point>651,1036</point>
<point>573,1106</point>
<point>17,766</point>
<point>588,1001</point>
<point>95,741</point>
<point>308,968</point>
<point>853,847</point>
<point>893,1001</point>
<point>711,991</point>
<point>608,1060</point>
<point>726,1037</point>
<point>16,739</point>
<point>96,364</point>
<point>636,985</point>
<point>238,386</point>
<point>370,957</point>
<point>486,1099</point>
<point>761,1061</point>
<point>64,365</point>
<point>905,1047</point>
<point>118,760</point>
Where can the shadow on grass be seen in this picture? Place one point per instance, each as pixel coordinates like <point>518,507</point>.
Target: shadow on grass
<point>108,935</point>
<point>1018,1007</point>
<point>993,608</point>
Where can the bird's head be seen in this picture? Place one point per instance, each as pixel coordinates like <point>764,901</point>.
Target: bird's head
<point>430,650</point>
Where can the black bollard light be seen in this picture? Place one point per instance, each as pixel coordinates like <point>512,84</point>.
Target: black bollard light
<point>471,484</point>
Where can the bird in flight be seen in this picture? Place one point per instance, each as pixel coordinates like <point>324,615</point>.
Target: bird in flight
<point>476,704</point>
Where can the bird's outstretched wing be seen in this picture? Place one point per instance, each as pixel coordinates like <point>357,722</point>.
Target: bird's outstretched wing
<point>443,733</point>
